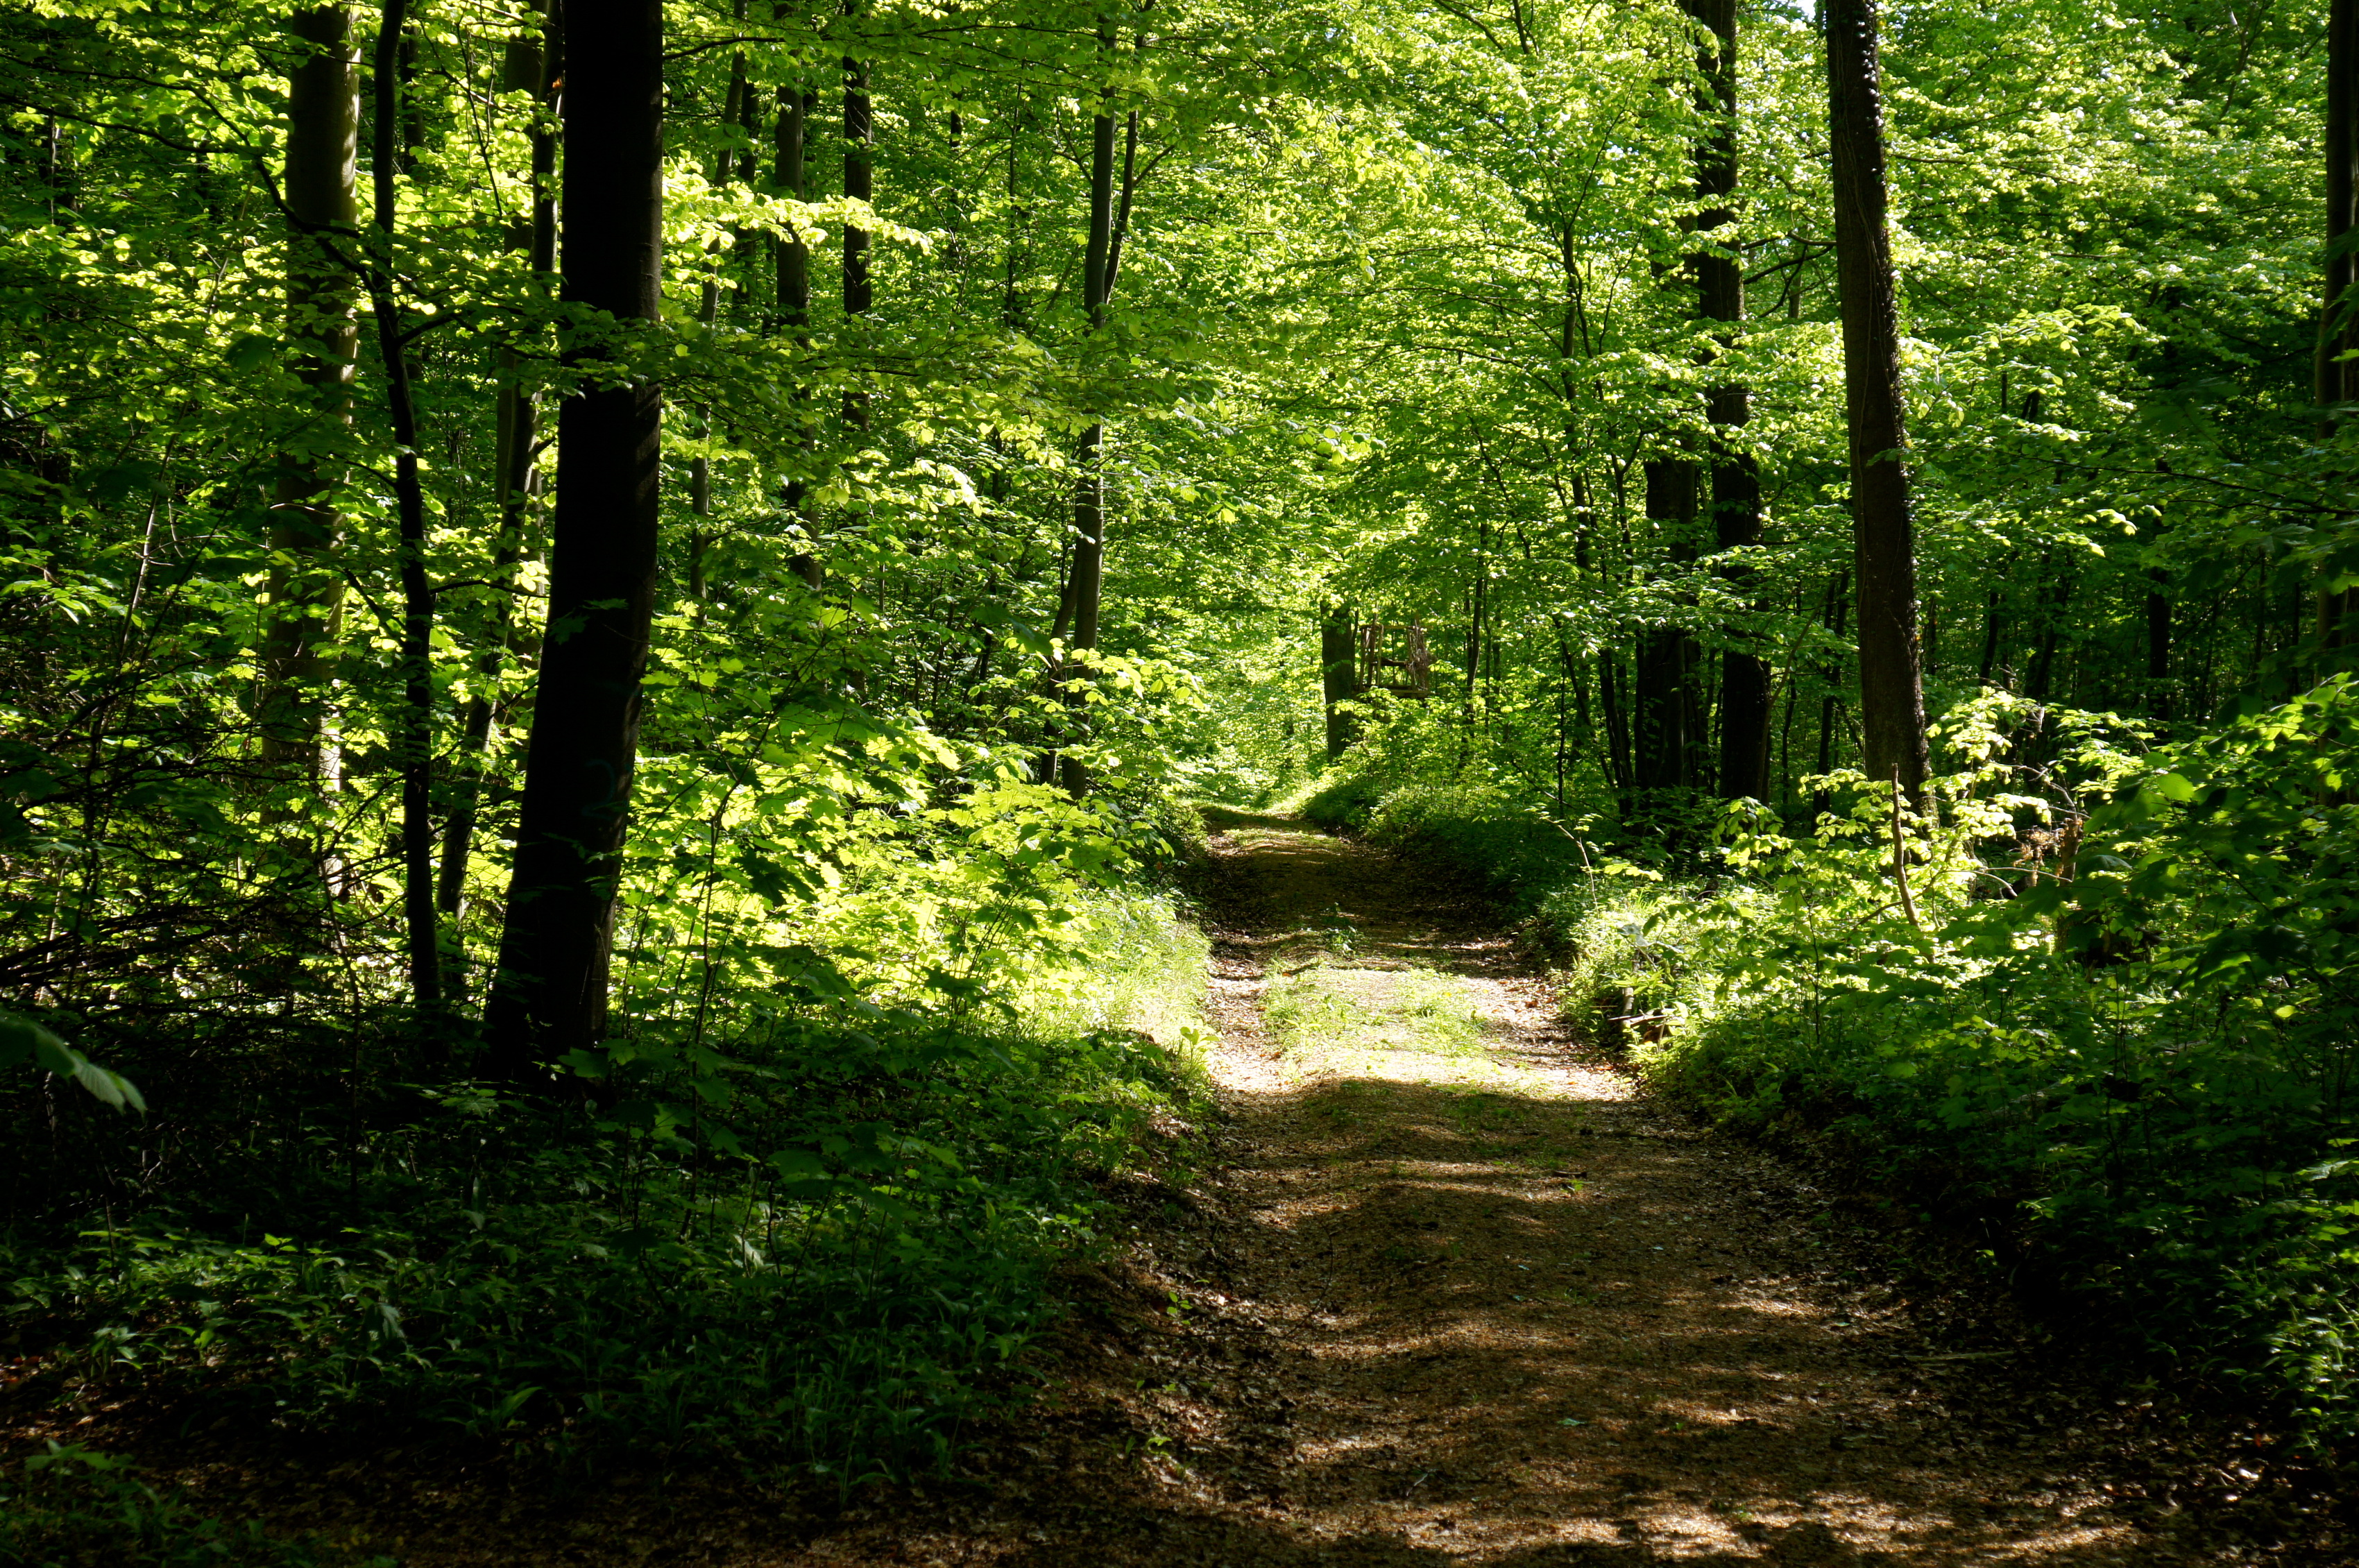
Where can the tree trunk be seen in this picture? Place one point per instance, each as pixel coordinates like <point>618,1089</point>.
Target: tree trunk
<point>1618,767</point>
<point>2338,334</point>
<point>1992,619</point>
<point>700,470</point>
<point>859,184</point>
<point>531,65</point>
<point>1661,743</point>
<point>1338,676</point>
<point>1892,700</point>
<point>413,738</point>
<point>1087,580</point>
<point>796,105</point>
<point>1735,481</point>
<point>305,587</point>
<point>549,996</point>
<point>1838,607</point>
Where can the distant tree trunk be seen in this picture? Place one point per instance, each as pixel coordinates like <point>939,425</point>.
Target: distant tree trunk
<point>321,193</point>
<point>1339,682</point>
<point>1892,700</point>
<point>1618,767</point>
<point>549,996</point>
<point>859,184</point>
<point>1992,619</point>
<point>1831,704</point>
<point>1735,481</point>
<point>2338,334</point>
<point>533,65</point>
<point>413,739</point>
<point>1098,260</point>
<point>797,103</point>
<point>2055,593</point>
<point>700,470</point>
<point>1662,746</point>
<point>2338,331</point>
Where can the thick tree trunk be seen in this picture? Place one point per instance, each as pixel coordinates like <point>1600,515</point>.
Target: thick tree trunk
<point>1892,700</point>
<point>549,996</point>
<point>321,191</point>
<point>1735,481</point>
<point>413,738</point>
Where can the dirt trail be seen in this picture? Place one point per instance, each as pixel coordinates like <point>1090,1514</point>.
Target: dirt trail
<point>1458,1297</point>
<point>1521,1318</point>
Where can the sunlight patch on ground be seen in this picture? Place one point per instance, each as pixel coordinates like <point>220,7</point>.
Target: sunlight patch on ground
<point>1332,1022</point>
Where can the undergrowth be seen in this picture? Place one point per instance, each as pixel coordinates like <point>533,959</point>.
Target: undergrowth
<point>801,1217</point>
<point>74,1508</point>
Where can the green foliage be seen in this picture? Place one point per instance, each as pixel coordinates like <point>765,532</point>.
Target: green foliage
<point>74,1507</point>
<point>24,1043</point>
<point>2118,1054</point>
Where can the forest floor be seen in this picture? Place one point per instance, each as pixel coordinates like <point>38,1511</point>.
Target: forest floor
<point>1438,1286</point>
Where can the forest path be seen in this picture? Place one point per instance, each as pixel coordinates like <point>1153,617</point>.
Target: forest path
<point>1511,1313</point>
<point>1442,1289</point>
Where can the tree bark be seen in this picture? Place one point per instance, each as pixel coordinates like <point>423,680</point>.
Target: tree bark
<point>1892,702</point>
<point>549,996</point>
<point>1736,480</point>
<point>414,729</point>
<point>321,192</point>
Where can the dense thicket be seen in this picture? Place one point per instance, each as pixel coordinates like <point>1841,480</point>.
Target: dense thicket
<point>611,609</point>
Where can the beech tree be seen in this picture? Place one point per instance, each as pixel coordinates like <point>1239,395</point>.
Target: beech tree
<point>549,995</point>
<point>322,197</point>
<point>1744,674</point>
<point>1891,690</point>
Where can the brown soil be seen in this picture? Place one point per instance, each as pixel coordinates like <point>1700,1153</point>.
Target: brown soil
<point>1449,1291</point>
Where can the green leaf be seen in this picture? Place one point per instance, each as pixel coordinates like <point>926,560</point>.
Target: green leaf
<point>26,1043</point>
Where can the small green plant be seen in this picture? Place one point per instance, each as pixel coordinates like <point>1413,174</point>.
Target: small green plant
<point>76,1508</point>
